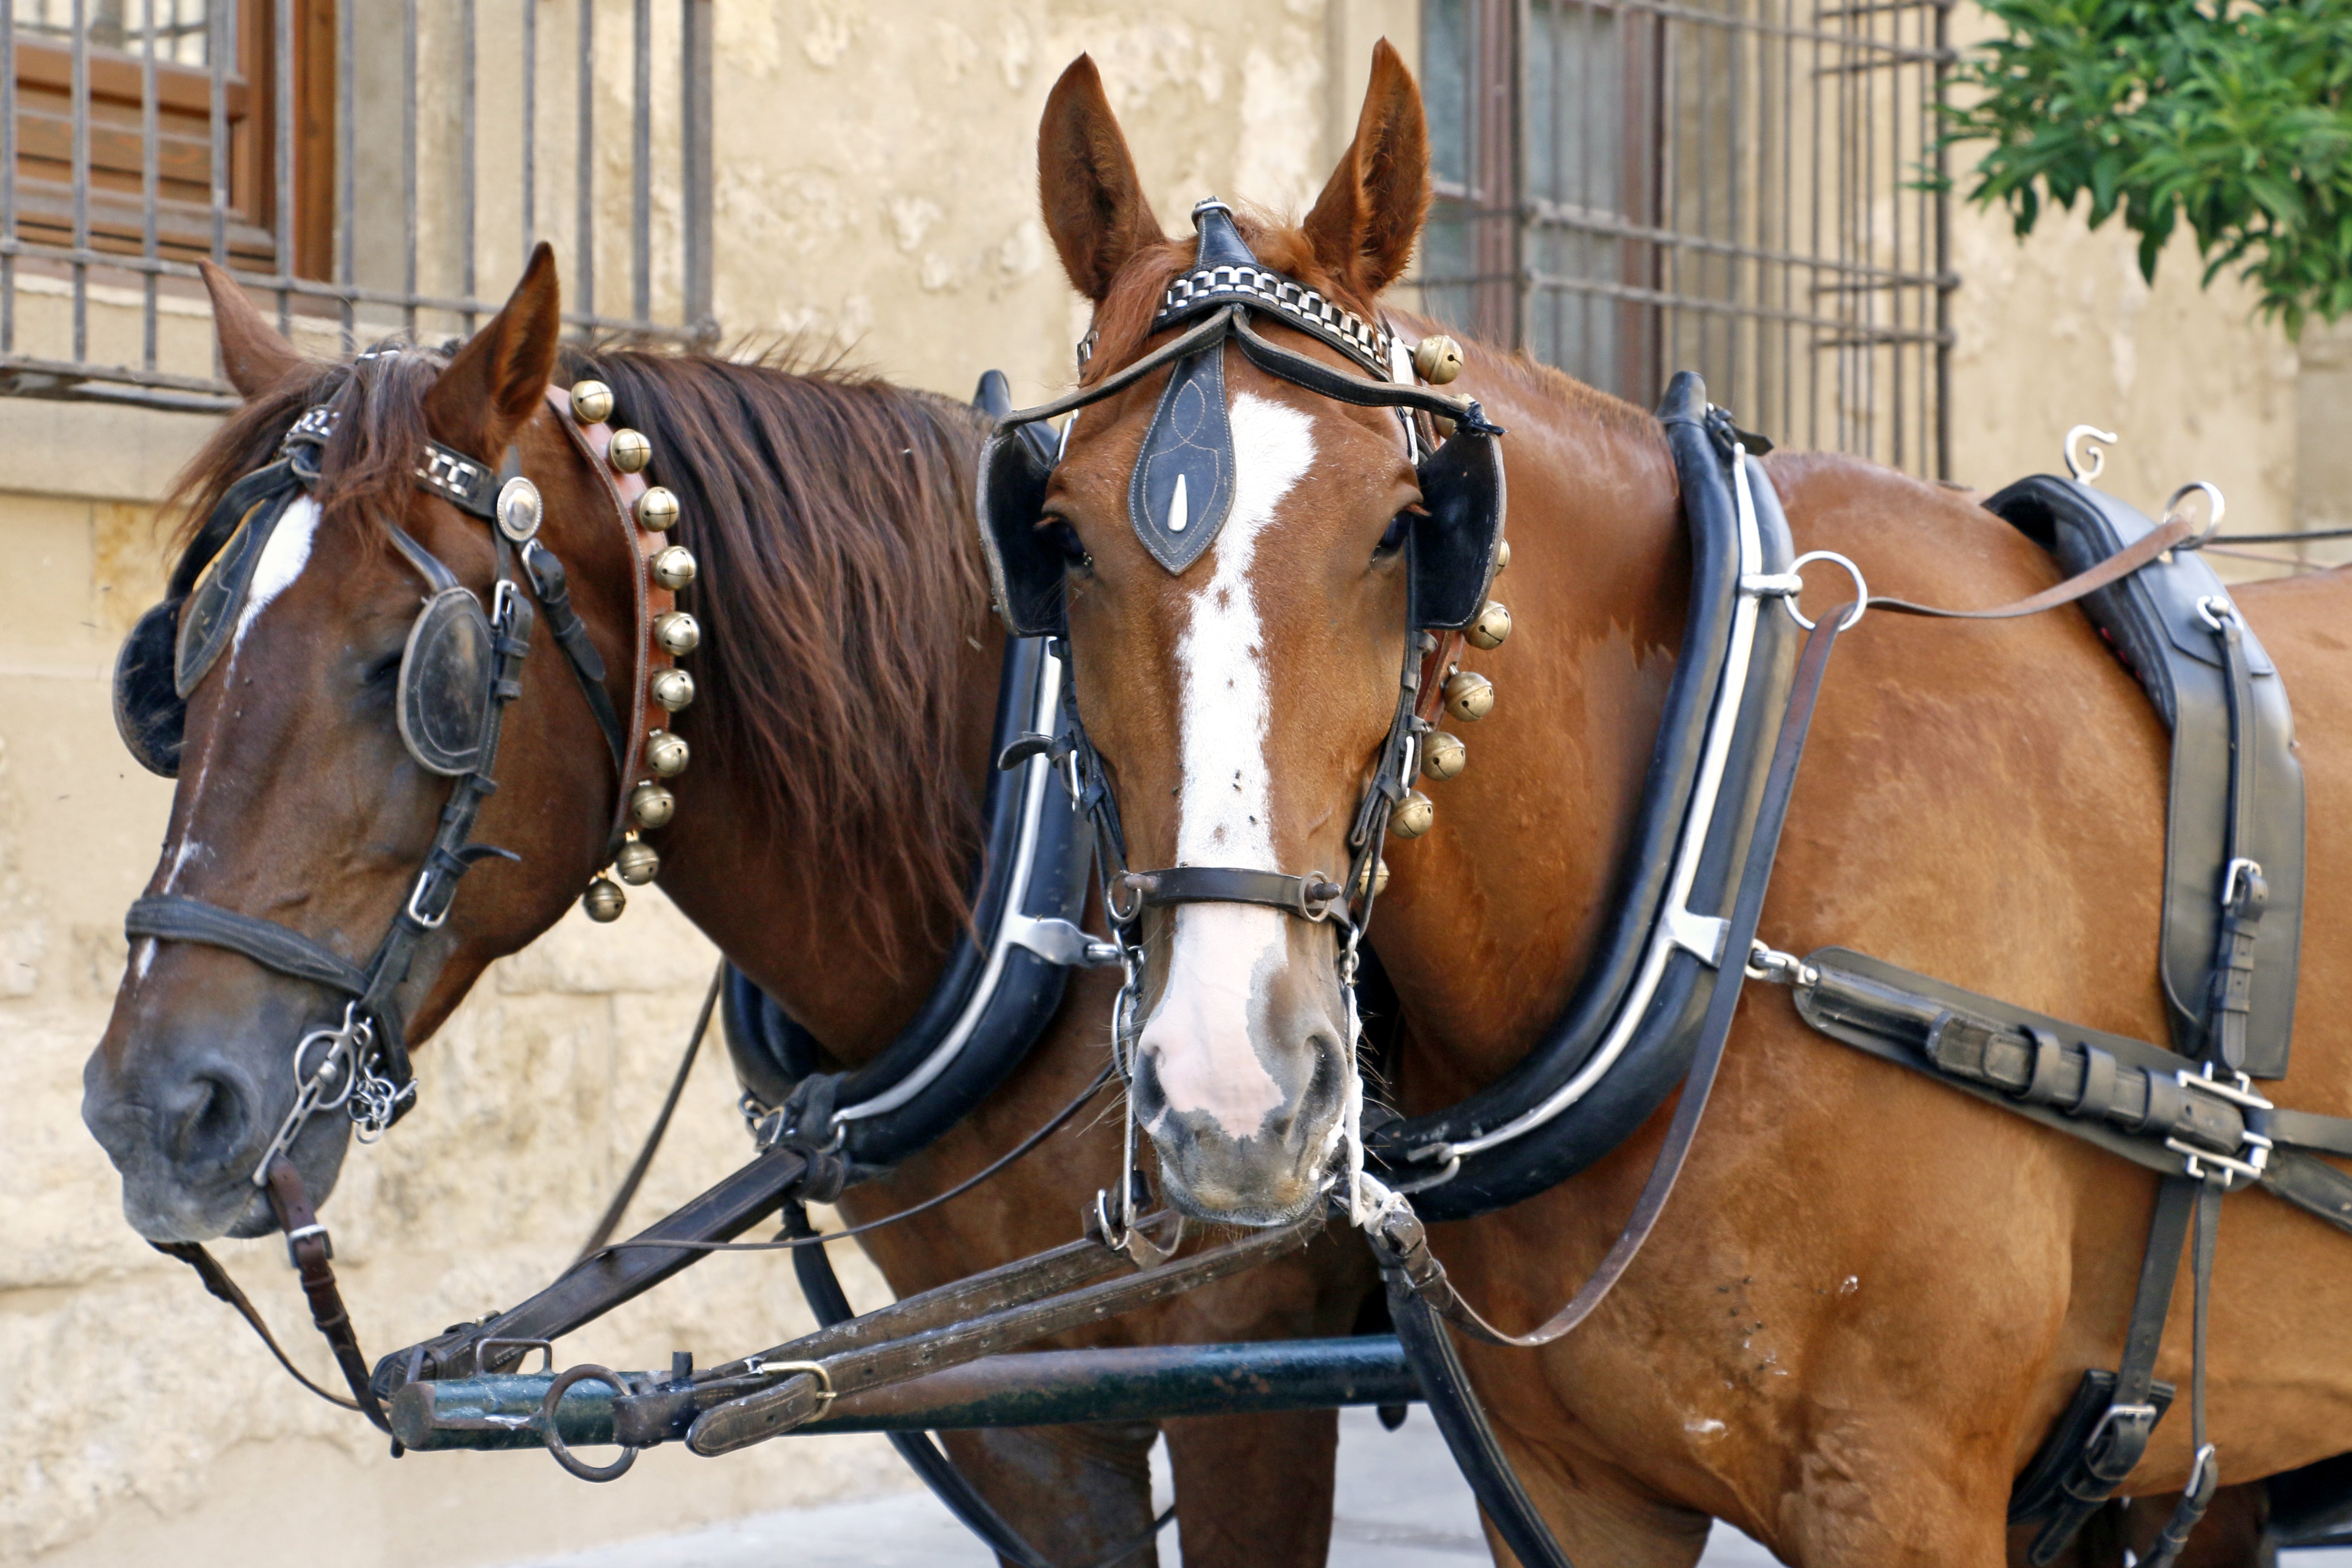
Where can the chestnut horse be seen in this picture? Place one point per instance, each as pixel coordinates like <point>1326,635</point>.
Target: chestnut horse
<point>1871,1295</point>
<point>824,831</point>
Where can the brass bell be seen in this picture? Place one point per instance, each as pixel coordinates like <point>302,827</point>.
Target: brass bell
<point>1442,756</point>
<point>591,401</point>
<point>604,901</point>
<point>652,805</point>
<point>1493,625</point>
<point>629,452</point>
<point>678,632</point>
<point>1469,697</point>
<point>666,754</point>
<point>1379,874</point>
<point>674,568</point>
<point>672,689</point>
<point>1438,360</point>
<point>1503,558</point>
<point>1413,817</point>
<point>657,509</point>
<point>636,863</point>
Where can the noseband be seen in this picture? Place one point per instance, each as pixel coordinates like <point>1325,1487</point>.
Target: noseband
<point>459,669</point>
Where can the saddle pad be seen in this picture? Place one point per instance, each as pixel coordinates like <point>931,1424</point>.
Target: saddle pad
<point>2151,617</point>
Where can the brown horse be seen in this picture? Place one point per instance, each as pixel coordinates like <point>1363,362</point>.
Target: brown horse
<point>848,675</point>
<point>1870,1296</point>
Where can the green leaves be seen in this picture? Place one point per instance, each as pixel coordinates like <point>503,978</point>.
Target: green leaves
<point>2232,116</point>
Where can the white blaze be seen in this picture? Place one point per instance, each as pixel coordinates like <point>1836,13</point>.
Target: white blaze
<point>282,560</point>
<point>1200,1034</point>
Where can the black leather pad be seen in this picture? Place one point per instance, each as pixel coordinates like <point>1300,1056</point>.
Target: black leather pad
<point>444,704</point>
<point>149,712</point>
<point>2151,617</point>
<point>1182,488</point>
<point>1455,546</point>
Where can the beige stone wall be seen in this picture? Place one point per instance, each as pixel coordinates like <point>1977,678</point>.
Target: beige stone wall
<point>875,199</point>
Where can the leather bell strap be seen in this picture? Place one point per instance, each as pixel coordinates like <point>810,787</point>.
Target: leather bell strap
<point>1309,898</point>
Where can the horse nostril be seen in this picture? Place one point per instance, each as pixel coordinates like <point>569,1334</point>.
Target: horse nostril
<point>212,1124</point>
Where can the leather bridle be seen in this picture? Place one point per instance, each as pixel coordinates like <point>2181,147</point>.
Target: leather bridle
<point>362,1064</point>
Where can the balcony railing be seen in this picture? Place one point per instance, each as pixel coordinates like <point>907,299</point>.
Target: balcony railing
<point>365,168</point>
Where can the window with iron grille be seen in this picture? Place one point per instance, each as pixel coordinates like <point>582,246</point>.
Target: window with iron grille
<point>365,167</point>
<point>1745,188</point>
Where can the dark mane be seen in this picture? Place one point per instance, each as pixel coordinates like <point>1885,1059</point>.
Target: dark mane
<point>831,516</point>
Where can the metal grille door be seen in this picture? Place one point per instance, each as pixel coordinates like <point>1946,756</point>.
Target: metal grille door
<point>1746,188</point>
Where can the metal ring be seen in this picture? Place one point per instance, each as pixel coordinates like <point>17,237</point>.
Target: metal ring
<point>2088,472</point>
<point>555,1445</point>
<point>2212,493</point>
<point>1860,589</point>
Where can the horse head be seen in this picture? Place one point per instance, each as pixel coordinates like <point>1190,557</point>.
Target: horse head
<point>1242,541</point>
<point>333,633</point>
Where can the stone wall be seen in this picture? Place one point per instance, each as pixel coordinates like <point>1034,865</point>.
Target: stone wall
<point>875,202</point>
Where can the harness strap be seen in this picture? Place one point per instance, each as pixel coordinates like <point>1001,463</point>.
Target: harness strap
<point>313,1253</point>
<point>822,1287</point>
<point>2115,568</point>
<point>1309,898</point>
<point>2120,1437</point>
<point>1402,1232</point>
<point>2230,997</point>
<point>217,1280</point>
<point>174,917</point>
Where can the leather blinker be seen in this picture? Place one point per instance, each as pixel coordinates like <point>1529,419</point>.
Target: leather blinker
<point>444,701</point>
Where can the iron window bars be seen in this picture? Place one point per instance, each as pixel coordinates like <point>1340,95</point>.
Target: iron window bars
<point>1750,188</point>
<point>349,161</point>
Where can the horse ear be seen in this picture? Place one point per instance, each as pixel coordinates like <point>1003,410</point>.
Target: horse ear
<point>252,353</point>
<point>1094,206</point>
<point>1365,222</point>
<point>499,379</point>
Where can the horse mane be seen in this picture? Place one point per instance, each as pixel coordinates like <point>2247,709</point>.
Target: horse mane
<point>831,516</point>
<point>1123,320</point>
<point>840,590</point>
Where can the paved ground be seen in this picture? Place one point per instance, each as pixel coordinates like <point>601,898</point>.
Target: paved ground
<point>1401,1505</point>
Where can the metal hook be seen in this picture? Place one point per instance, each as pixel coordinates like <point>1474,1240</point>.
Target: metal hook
<point>2212,493</point>
<point>2088,472</point>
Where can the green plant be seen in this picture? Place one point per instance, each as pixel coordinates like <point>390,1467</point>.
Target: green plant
<point>2233,117</point>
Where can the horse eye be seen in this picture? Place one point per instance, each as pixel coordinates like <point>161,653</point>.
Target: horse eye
<point>1065,539</point>
<point>1394,539</point>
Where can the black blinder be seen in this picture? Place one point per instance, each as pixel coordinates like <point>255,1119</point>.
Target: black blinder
<point>211,614</point>
<point>149,710</point>
<point>444,705</point>
<point>1455,546</point>
<point>1025,564</point>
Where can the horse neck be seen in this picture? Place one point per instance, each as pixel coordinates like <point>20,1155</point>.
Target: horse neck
<point>1518,875</point>
<point>784,918</point>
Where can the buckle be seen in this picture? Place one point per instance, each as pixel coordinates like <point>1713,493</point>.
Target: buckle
<point>2112,1416</point>
<point>2248,873</point>
<point>2202,1163</point>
